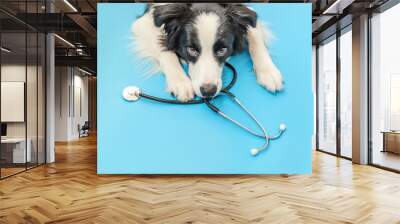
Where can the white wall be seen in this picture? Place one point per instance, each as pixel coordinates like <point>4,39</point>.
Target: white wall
<point>71,102</point>
<point>79,117</point>
<point>12,73</point>
<point>62,82</point>
<point>34,126</point>
<point>16,73</point>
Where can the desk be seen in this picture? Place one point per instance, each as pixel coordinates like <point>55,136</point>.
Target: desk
<point>391,141</point>
<point>15,148</point>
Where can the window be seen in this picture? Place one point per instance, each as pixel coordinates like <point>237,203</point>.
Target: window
<point>327,96</point>
<point>346,93</point>
<point>385,89</point>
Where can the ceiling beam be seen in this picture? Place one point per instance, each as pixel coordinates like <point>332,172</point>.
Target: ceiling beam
<point>337,6</point>
<point>320,22</point>
<point>84,24</point>
<point>49,22</point>
<point>81,61</point>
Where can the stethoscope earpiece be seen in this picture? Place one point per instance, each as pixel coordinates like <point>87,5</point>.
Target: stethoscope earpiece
<point>282,127</point>
<point>254,151</point>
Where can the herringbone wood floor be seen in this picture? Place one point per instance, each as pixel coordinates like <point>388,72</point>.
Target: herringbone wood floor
<point>70,191</point>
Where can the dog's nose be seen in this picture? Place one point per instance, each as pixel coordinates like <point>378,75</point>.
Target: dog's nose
<point>208,90</point>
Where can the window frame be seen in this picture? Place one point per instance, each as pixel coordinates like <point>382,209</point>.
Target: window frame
<point>334,37</point>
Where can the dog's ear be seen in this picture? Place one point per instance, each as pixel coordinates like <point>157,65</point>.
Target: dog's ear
<point>241,15</point>
<point>171,17</point>
<point>241,18</point>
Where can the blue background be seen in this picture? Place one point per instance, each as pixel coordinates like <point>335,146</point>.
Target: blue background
<point>151,138</point>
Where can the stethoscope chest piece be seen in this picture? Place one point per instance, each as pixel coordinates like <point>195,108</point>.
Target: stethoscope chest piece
<point>131,93</point>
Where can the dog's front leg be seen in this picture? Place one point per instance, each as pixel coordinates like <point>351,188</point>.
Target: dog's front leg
<point>266,72</point>
<point>177,82</point>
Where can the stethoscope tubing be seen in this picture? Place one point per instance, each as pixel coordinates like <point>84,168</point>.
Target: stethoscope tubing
<point>133,93</point>
<point>199,101</point>
<point>264,134</point>
<point>234,99</point>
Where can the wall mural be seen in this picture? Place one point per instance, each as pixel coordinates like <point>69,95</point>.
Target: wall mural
<point>204,88</point>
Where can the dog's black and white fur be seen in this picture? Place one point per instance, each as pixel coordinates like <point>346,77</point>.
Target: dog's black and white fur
<point>204,35</point>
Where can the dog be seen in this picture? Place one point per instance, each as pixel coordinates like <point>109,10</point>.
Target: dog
<point>203,35</point>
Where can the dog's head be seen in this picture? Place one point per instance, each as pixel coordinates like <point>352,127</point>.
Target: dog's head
<point>205,36</point>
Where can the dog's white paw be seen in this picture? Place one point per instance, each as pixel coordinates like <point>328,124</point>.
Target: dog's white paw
<point>271,79</point>
<point>181,88</point>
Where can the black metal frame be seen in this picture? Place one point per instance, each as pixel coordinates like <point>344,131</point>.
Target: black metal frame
<point>317,97</point>
<point>44,72</point>
<point>338,98</point>
<point>369,83</point>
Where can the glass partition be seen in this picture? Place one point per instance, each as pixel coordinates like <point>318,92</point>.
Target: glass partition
<point>22,77</point>
<point>32,96</point>
<point>14,153</point>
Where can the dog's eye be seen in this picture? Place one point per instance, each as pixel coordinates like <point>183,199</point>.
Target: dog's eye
<point>222,51</point>
<point>192,52</point>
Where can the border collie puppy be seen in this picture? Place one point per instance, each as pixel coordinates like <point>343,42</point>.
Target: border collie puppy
<point>204,35</point>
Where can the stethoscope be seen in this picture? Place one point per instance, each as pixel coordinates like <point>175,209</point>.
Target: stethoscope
<point>133,93</point>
